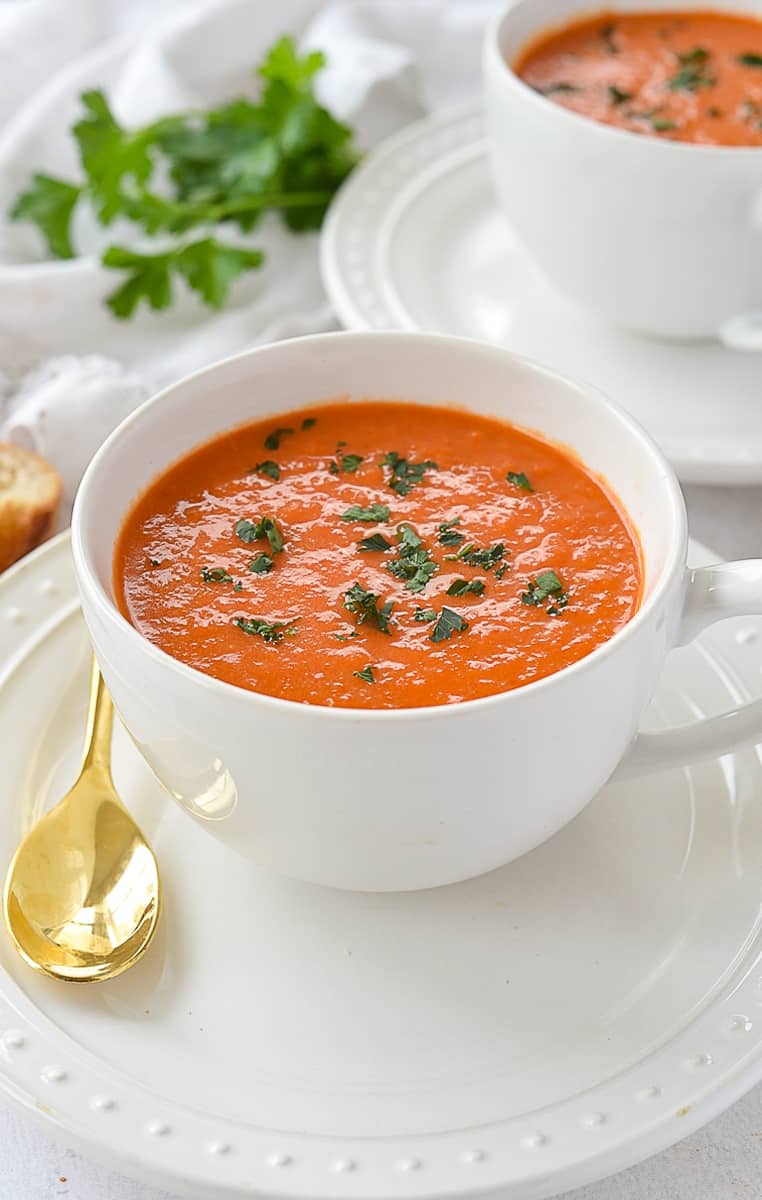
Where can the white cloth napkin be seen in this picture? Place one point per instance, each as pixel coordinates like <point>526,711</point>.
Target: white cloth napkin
<point>70,370</point>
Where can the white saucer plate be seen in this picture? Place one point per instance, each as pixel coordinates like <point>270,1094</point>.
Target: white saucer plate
<point>522,1033</point>
<point>415,240</point>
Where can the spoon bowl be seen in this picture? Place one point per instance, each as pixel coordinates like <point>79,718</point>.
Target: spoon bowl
<point>82,893</point>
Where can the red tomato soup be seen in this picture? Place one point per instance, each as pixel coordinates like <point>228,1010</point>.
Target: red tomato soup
<point>377,555</point>
<point>686,76</point>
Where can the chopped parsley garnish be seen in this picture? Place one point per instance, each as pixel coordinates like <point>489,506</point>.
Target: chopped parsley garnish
<point>376,541</point>
<point>348,463</point>
<point>607,36</point>
<point>657,123</point>
<point>749,60</point>
<point>424,614</point>
<point>693,73</point>
<point>261,565</point>
<point>268,467</point>
<point>617,96</point>
<point>414,563</point>
<point>547,586</point>
<point>215,575</point>
<point>551,88</point>
<point>366,674</point>
<point>404,473</point>
<point>486,558</point>
<point>447,534</point>
<point>264,527</point>
<point>374,512</point>
<point>460,587</point>
<point>308,422</point>
<point>272,441</point>
<point>270,632</point>
<point>519,480</point>
<point>246,530</point>
<point>449,623</point>
<point>500,572</point>
<point>365,606</point>
<point>344,637</point>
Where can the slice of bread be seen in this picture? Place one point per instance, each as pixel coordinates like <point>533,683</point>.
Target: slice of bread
<point>30,492</point>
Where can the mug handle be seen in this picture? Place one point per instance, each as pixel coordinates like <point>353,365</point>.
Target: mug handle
<point>712,594</point>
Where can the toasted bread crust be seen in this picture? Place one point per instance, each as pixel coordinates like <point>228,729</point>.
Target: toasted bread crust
<point>30,492</point>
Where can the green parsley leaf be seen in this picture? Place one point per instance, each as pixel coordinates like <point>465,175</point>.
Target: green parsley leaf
<point>270,530</point>
<point>414,562</point>
<point>110,154</point>
<point>546,586</point>
<point>264,527</point>
<point>215,575</point>
<point>308,422</point>
<point>268,467</point>
<point>486,558</point>
<point>424,614</point>
<point>459,587</point>
<point>519,479</point>
<point>49,204</point>
<point>246,530</point>
<point>500,572</point>
<point>693,73</point>
<point>371,514</point>
<point>617,96</point>
<point>662,126</point>
<point>345,637</point>
<point>449,623</point>
<point>346,462</point>
<point>404,475</point>
<point>273,440</point>
<point>208,267</point>
<point>270,632</point>
<point>376,541</point>
<point>365,605</point>
<point>447,534</point>
<point>262,564</point>
<point>749,60</point>
<point>366,674</point>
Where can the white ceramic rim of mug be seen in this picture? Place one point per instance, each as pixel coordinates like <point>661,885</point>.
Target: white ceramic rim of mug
<point>566,115</point>
<point>674,562</point>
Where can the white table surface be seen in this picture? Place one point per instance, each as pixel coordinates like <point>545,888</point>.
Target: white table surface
<point>721,1162</point>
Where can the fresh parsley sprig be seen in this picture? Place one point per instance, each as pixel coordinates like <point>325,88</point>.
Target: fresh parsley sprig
<point>283,152</point>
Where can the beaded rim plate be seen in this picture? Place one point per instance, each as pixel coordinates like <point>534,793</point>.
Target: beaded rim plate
<point>415,240</point>
<point>553,1022</point>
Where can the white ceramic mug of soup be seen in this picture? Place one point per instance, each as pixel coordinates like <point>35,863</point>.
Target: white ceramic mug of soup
<point>661,236</point>
<point>409,798</point>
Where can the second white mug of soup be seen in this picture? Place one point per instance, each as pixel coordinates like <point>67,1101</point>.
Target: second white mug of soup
<point>392,799</point>
<point>661,236</point>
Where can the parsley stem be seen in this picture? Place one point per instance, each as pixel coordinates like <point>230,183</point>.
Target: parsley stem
<point>201,213</point>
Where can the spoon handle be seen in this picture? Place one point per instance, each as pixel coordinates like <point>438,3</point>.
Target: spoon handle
<point>100,722</point>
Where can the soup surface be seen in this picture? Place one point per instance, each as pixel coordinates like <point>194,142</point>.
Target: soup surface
<point>377,555</point>
<point>688,76</point>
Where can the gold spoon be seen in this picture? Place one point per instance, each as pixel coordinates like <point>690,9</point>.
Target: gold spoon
<point>82,893</point>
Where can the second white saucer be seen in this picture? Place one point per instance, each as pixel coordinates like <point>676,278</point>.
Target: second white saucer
<point>415,240</point>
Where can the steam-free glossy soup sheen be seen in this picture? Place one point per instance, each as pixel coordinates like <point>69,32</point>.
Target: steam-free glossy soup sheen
<point>685,76</point>
<point>377,555</point>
